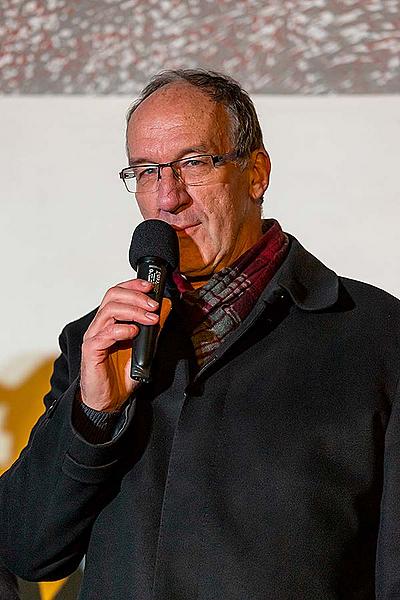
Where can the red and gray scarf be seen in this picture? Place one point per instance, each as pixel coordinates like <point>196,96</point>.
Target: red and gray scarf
<point>213,311</point>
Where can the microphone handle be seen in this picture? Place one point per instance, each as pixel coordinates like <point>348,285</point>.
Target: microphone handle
<point>149,268</point>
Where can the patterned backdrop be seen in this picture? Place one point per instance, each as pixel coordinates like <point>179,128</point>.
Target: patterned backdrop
<point>279,47</point>
<point>113,46</point>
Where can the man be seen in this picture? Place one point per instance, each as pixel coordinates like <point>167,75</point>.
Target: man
<point>261,462</point>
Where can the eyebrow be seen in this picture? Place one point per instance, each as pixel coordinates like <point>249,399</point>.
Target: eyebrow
<point>201,149</point>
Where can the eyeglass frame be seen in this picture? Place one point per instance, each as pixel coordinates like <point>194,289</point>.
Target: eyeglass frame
<point>216,158</point>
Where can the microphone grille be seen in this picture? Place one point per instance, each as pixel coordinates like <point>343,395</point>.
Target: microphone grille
<point>154,238</point>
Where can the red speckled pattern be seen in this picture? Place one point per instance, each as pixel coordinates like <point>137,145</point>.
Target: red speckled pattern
<point>283,47</point>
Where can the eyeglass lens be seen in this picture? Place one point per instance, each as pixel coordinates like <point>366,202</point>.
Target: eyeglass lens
<point>146,178</point>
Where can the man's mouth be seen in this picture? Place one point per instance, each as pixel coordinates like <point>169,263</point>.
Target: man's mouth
<point>184,228</point>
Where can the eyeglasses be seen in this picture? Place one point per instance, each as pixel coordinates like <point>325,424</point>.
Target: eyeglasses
<point>193,170</point>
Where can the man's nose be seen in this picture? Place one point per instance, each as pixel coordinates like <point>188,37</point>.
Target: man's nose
<point>171,191</point>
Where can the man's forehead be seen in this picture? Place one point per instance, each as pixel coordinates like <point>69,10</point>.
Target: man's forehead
<point>179,110</point>
<point>186,94</point>
<point>178,101</point>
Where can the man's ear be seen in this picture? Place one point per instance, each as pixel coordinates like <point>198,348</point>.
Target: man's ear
<point>260,168</point>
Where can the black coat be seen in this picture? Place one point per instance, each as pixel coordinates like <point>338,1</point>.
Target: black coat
<point>274,474</point>
<point>8,585</point>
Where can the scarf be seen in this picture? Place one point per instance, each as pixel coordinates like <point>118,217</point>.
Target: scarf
<point>212,312</point>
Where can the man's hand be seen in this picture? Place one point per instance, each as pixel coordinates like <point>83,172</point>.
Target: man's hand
<point>106,348</point>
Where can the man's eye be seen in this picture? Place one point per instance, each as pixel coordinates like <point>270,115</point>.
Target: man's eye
<point>144,173</point>
<point>193,162</point>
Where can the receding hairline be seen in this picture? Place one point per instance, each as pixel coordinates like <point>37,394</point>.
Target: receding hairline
<point>223,90</point>
<point>197,91</point>
<point>165,89</point>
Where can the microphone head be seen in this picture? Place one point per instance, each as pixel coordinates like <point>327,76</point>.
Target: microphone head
<point>154,238</point>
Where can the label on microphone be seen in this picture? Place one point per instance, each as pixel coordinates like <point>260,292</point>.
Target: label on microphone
<point>154,276</point>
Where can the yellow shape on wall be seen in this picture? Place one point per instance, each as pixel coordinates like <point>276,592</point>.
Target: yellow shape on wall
<point>20,407</point>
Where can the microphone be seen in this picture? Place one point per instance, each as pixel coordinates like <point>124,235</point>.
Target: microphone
<point>154,254</point>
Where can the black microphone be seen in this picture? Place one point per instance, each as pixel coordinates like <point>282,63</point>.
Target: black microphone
<point>154,254</point>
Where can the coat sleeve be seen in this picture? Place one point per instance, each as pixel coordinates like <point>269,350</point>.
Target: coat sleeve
<point>388,547</point>
<point>8,585</point>
<point>52,494</point>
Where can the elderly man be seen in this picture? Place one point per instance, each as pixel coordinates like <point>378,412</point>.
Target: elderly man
<point>262,460</point>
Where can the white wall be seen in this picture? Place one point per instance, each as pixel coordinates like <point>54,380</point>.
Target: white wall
<point>66,221</point>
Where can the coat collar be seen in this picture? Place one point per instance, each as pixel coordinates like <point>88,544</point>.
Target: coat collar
<point>309,283</point>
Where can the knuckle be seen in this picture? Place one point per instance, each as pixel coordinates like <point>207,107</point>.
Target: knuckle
<point>112,290</point>
<point>110,330</point>
<point>109,295</point>
<point>109,308</point>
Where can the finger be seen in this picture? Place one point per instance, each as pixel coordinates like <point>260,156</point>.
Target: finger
<point>133,283</point>
<point>128,296</point>
<point>129,312</point>
<point>126,311</point>
<point>107,337</point>
<point>139,285</point>
<point>115,312</point>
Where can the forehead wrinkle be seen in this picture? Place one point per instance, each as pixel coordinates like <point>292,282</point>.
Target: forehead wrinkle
<point>188,151</point>
<point>168,113</point>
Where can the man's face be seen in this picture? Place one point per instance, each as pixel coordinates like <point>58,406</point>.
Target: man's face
<point>215,222</point>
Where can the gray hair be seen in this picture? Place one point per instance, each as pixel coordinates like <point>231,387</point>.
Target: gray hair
<point>246,134</point>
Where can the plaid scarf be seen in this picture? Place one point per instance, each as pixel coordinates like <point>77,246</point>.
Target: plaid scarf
<point>213,311</point>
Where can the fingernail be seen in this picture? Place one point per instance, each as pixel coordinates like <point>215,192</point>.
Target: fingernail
<point>151,316</point>
<point>144,283</point>
<point>152,303</point>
